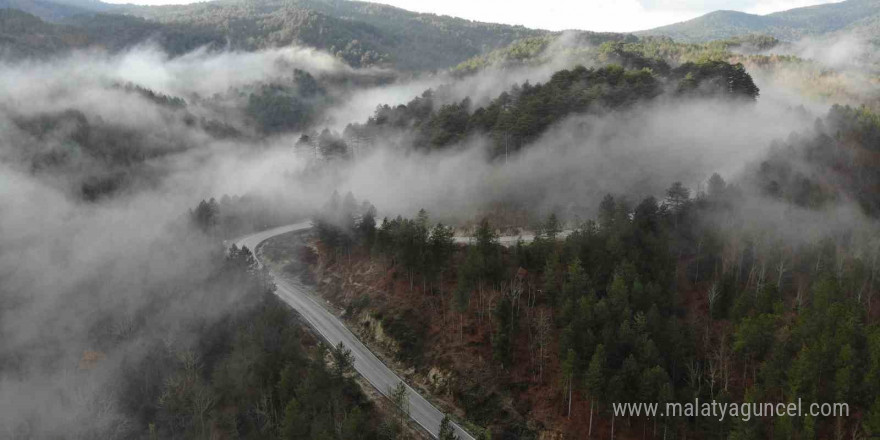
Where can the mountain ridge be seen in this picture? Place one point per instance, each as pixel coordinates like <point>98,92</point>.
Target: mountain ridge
<point>810,21</point>
<point>361,33</point>
<point>366,34</point>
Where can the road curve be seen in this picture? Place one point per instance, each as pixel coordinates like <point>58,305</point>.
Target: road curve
<point>332,329</point>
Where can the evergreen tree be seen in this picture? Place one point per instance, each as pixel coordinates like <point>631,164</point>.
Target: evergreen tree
<point>551,228</point>
<point>607,212</point>
<point>343,361</point>
<point>400,399</point>
<point>595,381</point>
<point>716,186</point>
<point>447,432</point>
<point>677,195</point>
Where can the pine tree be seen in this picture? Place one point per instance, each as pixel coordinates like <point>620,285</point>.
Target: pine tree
<point>400,399</point>
<point>677,195</point>
<point>607,210</point>
<point>447,432</point>
<point>717,186</point>
<point>343,361</point>
<point>551,227</point>
<point>442,246</point>
<point>366,228</point>
<point>595,380</point>
<point>576,281</point>
<point>487,246</point>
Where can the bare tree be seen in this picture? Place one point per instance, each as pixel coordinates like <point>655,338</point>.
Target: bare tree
<point>713,294</point>
<point>780,269</point>
<point>713,373</point>
<point>203,401</point>
<point>695,375</point>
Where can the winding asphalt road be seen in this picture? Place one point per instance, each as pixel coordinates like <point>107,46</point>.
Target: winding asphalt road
<point>331,328</point>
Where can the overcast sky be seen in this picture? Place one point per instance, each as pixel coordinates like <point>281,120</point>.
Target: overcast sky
<point>594,15</point>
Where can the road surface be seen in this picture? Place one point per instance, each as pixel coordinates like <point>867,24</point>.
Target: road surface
<point>510,240</point>
<point>331,328</point>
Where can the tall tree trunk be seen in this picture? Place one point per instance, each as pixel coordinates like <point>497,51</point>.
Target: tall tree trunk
<point>541,363</point>
<point>569,395</point>
<point>460,326</point>
<point>590,430</point>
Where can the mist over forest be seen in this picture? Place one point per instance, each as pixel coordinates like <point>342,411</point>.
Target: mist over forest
<point>527,226</point>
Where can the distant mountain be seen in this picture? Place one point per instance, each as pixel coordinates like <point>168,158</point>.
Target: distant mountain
<point>56,10</point>
<point>861,16</point>
<point>24,35</point>
<point>362,34</point>
<point>368,34</point>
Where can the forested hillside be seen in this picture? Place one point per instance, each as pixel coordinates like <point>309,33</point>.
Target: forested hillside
<point>847,16</point>
<point>653,300</point>
<point>519,116</point>
<point>56,10</point>
<point>364,34</point>
<point>23,35</point>
<point>367,34</point>
<point>851,82</point>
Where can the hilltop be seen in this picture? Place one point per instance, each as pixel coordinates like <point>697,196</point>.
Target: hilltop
<point>859,16</point>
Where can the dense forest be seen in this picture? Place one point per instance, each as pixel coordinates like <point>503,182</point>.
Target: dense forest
<point>23,35</point>
<point>246,374</point>
<point>766,57</point>
<point>661,300</point>
<point>518,117</point>
<point>363,34</point>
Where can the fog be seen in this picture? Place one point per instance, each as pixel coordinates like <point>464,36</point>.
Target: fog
<point>840,68</point>
<point>72,268</point>
<point>844,50</point>
<point>199,72</point>
<point>564,51</point>
<point>639,153</point>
